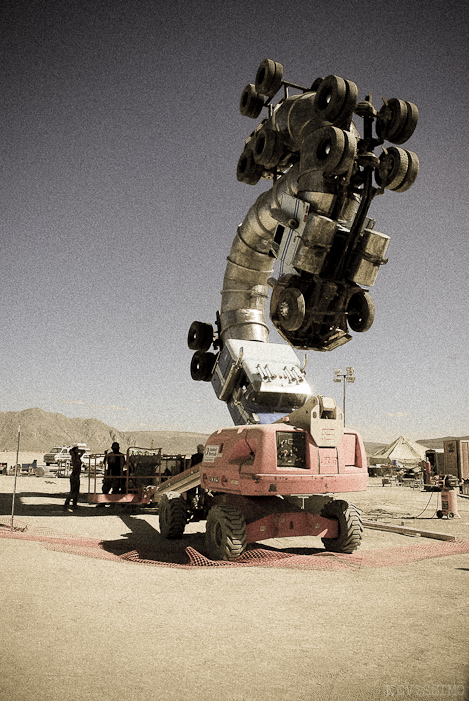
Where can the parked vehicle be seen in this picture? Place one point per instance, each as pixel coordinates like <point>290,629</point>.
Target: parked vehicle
<point>63,460</point>
<point>50,457</point>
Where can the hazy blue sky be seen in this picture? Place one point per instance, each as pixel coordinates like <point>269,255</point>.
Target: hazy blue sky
<point>120,134</point>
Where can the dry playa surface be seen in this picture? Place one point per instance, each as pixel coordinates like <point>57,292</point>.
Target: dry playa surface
<point>79,626</point>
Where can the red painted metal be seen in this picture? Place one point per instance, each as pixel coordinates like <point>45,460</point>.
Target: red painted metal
<point>119,498</point>
<point>449,502</point>
<point>244,460</point>
<point>291,524</point>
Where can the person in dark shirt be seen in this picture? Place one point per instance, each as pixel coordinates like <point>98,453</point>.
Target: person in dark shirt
<point>114,469</point>
<point>75,458</point>
<point>198,456</point>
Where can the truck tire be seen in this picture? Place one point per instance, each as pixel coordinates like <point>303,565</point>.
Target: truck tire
<point>251,103</point>
<point>200,336</point>
<point>397,169</point>
<point>225,535</point>
<point>335,99</point>
<point>350,526</point>
<point>172,514</point>
<point>269,77</point>
<point>331,150</point>
<point>202,365</point>
<point>268,148</point>
<point>396,120</point>
<point>360,311</point>
<point>247,170</point>
<point>291,309</point>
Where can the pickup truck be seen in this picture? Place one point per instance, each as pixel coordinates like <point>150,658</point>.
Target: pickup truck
<point>63,461</point>
<point>50,458</point>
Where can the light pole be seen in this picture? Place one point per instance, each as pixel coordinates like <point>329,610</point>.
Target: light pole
<point>347,376</point>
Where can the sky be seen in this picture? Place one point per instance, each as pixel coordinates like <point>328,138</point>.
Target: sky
<point>120,137</point>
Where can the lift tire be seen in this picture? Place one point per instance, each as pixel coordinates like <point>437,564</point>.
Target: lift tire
<point>172,514</point>
<point>251,102</point>
<point>225,535</point>
<point>360,311</point>
<point>350,526</point>
<point>439,513</point>
<point>269,77</point>
<point>200,336</point>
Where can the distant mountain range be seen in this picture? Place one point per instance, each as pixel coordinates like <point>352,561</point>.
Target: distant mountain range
<point>435,443</point>
<point>41,430</point>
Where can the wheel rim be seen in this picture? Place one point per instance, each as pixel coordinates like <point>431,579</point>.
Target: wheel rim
<point>291,309</point>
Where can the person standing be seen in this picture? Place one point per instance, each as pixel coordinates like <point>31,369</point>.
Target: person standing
<point>198,456</point>
<point>114,463</point>
<point>75,458</point>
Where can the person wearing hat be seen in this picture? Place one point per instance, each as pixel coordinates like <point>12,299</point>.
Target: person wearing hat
<point>113,470</point>
<point>198,456</point>
<point>75,459</point>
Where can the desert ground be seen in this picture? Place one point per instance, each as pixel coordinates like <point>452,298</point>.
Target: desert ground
<point>96,605</point>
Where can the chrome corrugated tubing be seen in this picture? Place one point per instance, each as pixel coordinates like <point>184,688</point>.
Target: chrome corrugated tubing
<point>245,289</point>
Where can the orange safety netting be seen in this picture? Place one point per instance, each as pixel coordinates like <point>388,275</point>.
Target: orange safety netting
<point>254,557</point>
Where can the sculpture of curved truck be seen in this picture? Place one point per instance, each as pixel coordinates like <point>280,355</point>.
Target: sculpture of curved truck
<point>308,240</point>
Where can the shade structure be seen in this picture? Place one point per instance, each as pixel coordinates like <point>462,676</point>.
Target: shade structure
<point>403,450</point>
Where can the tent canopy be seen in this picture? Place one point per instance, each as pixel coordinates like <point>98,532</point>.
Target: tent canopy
<point>403,450</point>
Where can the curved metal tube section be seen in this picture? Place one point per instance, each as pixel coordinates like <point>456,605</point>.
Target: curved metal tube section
<point>251,261</point>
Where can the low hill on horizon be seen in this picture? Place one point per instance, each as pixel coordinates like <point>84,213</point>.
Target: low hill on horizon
<point>435,443</point>
<point>41,430</point>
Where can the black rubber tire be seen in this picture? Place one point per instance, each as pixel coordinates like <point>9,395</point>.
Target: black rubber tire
<point>268,148</point>
<point>200,336</point>
<point>225,535</point>
<point>172,515</point>
<point>439,513</point>
<point>269,77</point>
<point>350,526</point>
<point>291,309</point>
<point>251,103</point>
<point>392,169</point>
<point>396,120</point>
<point>411,174</point>
<point>332,150</point>
<point>248,171</point>
<point>335,99</point>
<point>360,311</point>
<point>202,365</point>
<point>397,170</point>
<point>410,124</point>
<point>391,119</point>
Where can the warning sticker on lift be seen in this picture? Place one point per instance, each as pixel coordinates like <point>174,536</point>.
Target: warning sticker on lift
<point>211,452</point>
